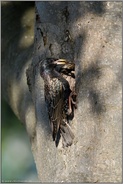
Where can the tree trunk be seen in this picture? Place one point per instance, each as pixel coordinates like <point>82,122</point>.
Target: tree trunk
<point>88,34</point>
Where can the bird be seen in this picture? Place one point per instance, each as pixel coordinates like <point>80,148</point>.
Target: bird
<point>60,97</point>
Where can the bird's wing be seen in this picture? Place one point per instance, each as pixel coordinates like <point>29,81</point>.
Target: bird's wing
<point>54,96</point>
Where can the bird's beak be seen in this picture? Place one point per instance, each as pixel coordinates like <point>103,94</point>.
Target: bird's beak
<point>60,62</point>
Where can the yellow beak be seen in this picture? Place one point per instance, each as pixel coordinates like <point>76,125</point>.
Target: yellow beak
<point>60,61</point>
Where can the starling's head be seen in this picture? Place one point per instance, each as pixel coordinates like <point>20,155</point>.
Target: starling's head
<point>49,64</point>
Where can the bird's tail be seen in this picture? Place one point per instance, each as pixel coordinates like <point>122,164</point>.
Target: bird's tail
<point>67,134</point>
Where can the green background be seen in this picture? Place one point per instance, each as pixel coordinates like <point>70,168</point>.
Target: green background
<point>17,159</point>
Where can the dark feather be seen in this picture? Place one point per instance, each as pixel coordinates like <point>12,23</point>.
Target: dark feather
<point>58,89</point>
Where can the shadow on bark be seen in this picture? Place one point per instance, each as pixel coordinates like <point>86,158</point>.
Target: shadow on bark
<point>15,58</point>
<point>13,24</point>
<point>88,77</point>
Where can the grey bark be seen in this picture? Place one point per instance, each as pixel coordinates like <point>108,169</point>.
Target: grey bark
<point>88,33</point>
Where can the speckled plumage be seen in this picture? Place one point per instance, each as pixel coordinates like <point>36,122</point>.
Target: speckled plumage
<point>59,90</point>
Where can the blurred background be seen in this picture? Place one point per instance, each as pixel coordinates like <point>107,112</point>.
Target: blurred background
<point>17,23</point>
<point>17,159</point>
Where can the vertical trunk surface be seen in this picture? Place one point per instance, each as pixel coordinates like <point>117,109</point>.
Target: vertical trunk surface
<point>89,34</point>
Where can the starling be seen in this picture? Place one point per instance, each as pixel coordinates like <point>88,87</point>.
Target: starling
<point>60,96</point>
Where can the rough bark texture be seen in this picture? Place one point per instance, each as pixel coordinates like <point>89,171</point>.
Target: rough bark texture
<point>89,34</point>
